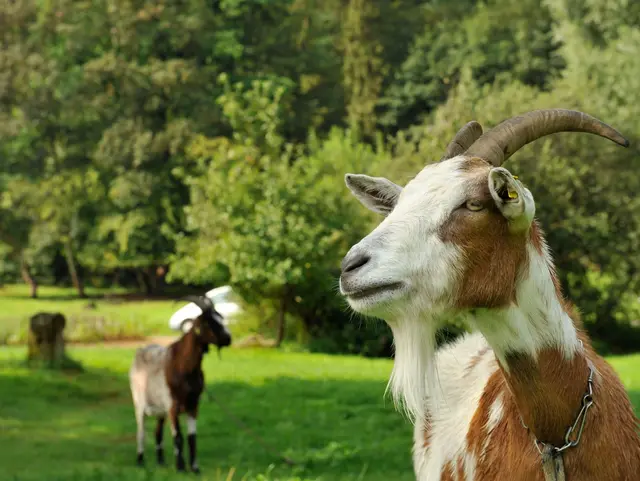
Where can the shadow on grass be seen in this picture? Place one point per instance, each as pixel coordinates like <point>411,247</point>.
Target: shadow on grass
<point>71,423</point>
<point>23,387</point>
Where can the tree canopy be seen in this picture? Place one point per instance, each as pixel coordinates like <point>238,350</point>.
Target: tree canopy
<point>209,140</point>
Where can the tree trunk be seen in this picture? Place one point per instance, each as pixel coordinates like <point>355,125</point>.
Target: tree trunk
<point>73,272</point>
<point>160,273</point>
<point>45,341</point>
<point>28,278</point>
<point>282,318</point>
<point>151,280</point>
<point>144,280</point>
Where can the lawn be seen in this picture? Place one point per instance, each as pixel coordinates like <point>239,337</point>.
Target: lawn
<point>326,412</point>
<point>106,315</point>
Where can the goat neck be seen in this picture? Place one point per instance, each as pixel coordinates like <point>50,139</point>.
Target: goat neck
<point>188,352</point>
<point>538,347</point>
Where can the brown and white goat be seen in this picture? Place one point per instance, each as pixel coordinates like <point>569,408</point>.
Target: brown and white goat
<point>461,239</point>
<point>168,381</point>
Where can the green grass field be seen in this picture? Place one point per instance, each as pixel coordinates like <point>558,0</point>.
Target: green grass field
<point>113,318</point>
<point>327,412</point>
<point>107,315</point>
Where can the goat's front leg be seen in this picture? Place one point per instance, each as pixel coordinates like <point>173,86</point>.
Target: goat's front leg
<point>177,436</point>
<point>159,435</point>
<point>140,435</point>
<point>192,415</point>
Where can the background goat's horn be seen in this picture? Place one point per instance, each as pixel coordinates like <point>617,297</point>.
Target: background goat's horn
<point>501,142</point>
<point>465,137</point>
<point>203,302</point>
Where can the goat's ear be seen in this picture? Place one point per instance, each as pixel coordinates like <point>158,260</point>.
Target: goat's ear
<point>375,193</point>
<point>512,198</point>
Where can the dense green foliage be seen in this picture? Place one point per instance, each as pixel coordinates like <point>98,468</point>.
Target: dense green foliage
<point>208,140</point>
<point>324,412</point>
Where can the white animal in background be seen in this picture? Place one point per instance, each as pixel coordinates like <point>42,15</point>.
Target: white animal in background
<point>461,239</point>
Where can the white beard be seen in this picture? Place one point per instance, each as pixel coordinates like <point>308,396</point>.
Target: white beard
<point>414,368</point>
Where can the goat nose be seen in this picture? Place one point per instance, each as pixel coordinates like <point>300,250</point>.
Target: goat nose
<point>354,261</point>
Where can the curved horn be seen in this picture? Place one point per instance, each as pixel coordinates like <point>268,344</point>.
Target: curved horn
<point>465,137</point>
<point>501,142</point>
<point>202,302</point>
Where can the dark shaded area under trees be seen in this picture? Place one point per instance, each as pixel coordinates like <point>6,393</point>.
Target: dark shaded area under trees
<point>205,142</point>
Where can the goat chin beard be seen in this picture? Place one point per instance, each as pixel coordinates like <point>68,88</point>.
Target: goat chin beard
<point>414,375</point>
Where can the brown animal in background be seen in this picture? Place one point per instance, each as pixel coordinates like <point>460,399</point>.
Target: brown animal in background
<point>168,381</point>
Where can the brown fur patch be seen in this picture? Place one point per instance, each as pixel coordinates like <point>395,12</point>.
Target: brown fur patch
<point>494,257</point>
<point>477,435</point>
<point>548,391</point>
<point>611,432</point>
<point>447,473</point>
<point>184,375</point>
<point>536,237</point>
<point>460,469</point>
<point>509,452</point>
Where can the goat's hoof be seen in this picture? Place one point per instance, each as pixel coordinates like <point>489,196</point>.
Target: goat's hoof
<point>181,468</point>
<point>195,469</point>
<point>140,460</point>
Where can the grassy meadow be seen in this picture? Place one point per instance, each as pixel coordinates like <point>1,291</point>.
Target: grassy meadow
<point>325,412</point>
<point>328,413</point>
<point>103,316</point>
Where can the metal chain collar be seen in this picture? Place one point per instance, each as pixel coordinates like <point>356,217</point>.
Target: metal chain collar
<point>579,423</point>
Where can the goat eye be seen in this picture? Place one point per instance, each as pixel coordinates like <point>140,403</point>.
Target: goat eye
<point>474,205</point>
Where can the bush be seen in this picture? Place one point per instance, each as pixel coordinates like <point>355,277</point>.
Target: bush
<point>277,215</point>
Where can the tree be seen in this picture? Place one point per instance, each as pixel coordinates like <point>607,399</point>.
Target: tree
<point>147,73</point>
<point>598,21</point>
<point>44,142</point>
<point>280,220</point>
<point>474,36</point>
<point>363,66</point>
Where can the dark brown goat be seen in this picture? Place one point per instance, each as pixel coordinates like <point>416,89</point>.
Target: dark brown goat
<point>168,381</point>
